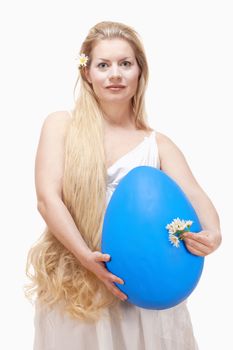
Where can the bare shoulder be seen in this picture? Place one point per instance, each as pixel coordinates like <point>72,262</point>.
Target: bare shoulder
<point>169,152</point>
<point>50,154</point>
<point>57,119</point>
<point>55,125</point>
<point>174,163</point>
<point>163,139</point>
<point>166,145</point>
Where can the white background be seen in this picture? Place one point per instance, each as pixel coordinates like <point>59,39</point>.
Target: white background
<point>189,98</point>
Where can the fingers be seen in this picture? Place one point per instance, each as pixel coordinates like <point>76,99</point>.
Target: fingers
<point>101,257</point>
<point>114,278</point>
<point>198,243</point>
<point>105,273</point>
<point>107,277</point>
<point>194,250</point>
<point>198,237</point>
<point>116,291</point>
<point>195,244</point>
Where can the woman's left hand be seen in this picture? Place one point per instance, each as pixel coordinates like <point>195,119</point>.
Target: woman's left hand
<point>203,242</point>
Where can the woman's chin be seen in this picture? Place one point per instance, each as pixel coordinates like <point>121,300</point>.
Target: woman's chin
<point>116,99</point>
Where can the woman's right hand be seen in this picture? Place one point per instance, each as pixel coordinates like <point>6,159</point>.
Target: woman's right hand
<point>94,262</point>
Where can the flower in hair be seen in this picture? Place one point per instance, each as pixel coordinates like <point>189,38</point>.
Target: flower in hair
<point>82,60</point>
<point>176,228</point>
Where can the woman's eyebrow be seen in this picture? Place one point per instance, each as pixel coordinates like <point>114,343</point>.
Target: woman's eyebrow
<point>105,59</point>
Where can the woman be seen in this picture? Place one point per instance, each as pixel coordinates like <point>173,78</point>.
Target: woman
<point>81,158</point>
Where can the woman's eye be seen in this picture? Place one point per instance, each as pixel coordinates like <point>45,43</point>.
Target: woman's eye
<point>126,63</point>
<point>102,65</point>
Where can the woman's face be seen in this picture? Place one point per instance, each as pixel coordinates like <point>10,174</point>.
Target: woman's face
<point>113,71</point>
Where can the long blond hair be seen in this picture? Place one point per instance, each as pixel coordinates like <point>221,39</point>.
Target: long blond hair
<point>58,277</point>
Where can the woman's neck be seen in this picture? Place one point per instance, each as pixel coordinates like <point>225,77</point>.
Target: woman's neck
<point>118,116</point>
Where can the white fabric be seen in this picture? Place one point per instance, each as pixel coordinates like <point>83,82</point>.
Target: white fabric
<point>145,153</point>
<point>135,328</point>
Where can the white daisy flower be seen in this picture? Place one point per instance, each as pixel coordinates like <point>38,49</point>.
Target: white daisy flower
<point>174,240</point>
<point>82,60</point>
<point>171,228</point>
<point>189,223</point>
<point>179,224</point>
<point>176,228</point>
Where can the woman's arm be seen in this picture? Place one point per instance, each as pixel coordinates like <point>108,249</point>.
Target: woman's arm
<point>48,180</point>
<point>174,164</point>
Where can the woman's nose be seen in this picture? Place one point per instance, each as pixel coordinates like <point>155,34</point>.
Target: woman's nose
<point>115,73</point>
<point>115,76</point>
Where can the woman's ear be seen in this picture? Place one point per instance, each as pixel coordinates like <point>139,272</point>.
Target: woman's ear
<point>87,75</point>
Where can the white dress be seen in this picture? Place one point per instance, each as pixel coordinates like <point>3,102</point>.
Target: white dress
<point>137,328</point>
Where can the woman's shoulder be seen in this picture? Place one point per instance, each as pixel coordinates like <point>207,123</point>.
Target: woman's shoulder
<point>56,121</point>
<point>55,126</point>
<point>163,139</point>
<point>166,146</point>
<point>58,117</point>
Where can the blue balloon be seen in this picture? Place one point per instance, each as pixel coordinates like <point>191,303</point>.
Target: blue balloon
<point>157,274</point>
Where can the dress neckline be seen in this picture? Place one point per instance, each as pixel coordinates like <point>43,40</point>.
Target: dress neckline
<point>132,150</point>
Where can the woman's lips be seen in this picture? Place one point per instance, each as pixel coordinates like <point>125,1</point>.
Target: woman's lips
<point>115,88</point>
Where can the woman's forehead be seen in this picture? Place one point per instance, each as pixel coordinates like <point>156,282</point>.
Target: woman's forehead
<point>112,49</point>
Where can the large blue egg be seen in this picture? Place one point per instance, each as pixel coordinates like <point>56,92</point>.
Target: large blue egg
<point>157,274</point>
